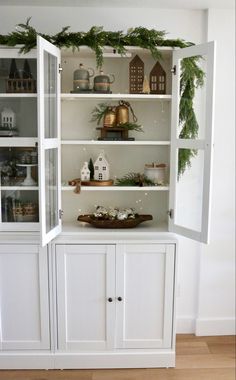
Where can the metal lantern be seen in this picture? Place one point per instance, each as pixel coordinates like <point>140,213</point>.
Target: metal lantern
<point>8,118</point>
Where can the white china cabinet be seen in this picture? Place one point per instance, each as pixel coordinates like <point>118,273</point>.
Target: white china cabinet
<point>99,298</point>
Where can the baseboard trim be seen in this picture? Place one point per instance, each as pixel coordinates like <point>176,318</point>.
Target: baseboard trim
<point>215,326</point>
<point>185,325</point>
<point>151,359</point>
<point>161,359</point>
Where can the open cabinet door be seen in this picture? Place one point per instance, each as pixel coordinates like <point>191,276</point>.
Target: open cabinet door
<point>49,140</point>
<point>190,190</point>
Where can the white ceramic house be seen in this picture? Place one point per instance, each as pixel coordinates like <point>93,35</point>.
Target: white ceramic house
<point>101,168</point>
<point>8,118</point>
<point>85,172</point>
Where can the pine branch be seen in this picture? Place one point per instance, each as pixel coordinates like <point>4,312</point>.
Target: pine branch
<point>134,179</point>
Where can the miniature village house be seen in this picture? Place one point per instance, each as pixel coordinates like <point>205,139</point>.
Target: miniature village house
<point>85,172</point>
<point>101,168</point>
<point>136,75</point>
<point>157,80</point>
<point>8,118</point>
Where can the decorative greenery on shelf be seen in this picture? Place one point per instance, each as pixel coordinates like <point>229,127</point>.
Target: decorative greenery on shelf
<point>134,179</point>
<point>101,109</point>
<point>96,38</point>
<point>131,126</point>
<point>99,112</point>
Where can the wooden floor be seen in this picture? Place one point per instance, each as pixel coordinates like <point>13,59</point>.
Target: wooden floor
<point>198,358</point>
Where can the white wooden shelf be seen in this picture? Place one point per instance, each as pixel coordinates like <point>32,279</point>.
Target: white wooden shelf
<point>149,230</point>
<point>117,188</point>
<point>18,141</point>
<point>93,96</point>
<point>21,188</point>
<point>21,95</point>
<point>104,142</point>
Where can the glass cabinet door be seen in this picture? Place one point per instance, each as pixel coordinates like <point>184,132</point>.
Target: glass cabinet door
<point>191,153</point>
<point>49,139</point>
<point>19,200</point>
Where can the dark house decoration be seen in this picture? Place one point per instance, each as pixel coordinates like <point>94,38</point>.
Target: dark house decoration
<point>136,75</point>
<point>157,80</point>
<point>20,81</point>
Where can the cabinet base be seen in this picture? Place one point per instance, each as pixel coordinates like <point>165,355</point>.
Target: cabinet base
<point>152,359</point>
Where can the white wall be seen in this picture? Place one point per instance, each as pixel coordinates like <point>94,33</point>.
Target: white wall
<point>216,309</point>
<point>213,263</point>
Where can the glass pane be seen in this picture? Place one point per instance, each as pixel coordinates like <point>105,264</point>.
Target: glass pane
<point>18,75</point>
<point>19,206</point>
<point>51,198</point>
<point>18,117</point>
<point>192,121</point>
<point>189,191</point>
<point>50,95</point>
<point>18,166</point>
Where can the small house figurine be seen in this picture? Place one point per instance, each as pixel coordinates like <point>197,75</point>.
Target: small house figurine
<point>8,118</point>
<point>101,168</point>
<point>136,75</point>
<point>85,172</point>
<point>157,79</point>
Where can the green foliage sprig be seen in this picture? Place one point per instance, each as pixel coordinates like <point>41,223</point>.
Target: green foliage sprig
<point>131,126</point>
<point>134,179</point>
<point>99,112</point>
<point>96,38</point>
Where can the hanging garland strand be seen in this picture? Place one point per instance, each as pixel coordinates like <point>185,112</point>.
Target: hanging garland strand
<point>96,38</point>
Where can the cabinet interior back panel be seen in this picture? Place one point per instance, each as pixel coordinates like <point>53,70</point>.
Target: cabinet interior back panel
<point>122,159</point>
<point>154,116</point>
<point>119,67</point>
<point>154,203</point>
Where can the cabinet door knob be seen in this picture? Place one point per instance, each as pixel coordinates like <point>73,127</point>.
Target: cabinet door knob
<point>110,299</point>
<point>119,298</point>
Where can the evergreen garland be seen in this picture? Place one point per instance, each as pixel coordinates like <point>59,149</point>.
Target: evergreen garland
<point>96,38</point>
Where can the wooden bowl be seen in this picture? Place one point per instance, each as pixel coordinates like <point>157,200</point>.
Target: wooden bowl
<point>103,223</point>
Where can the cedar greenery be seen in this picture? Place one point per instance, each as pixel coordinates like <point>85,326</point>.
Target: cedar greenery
<point>99,112</point>
<point>131,126</point>
<point>134,179</point>
<point>96,38</point>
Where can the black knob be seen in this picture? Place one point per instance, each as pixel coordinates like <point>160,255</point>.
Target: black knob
<point>110,299</point>
<point>119,298</point>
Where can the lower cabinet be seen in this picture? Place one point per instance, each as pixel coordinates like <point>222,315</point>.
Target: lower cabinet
<point>24,307</point>
<point>117,296</point>
<point>87,305</point>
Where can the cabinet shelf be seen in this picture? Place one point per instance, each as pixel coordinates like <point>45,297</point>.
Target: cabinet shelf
<point>21,95</point>
<point>92,96</point>
<point>18,141</point>
<point>22,188</point>
<point>117,188</point>
<point>104,142</point>
<point>150,228</point>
